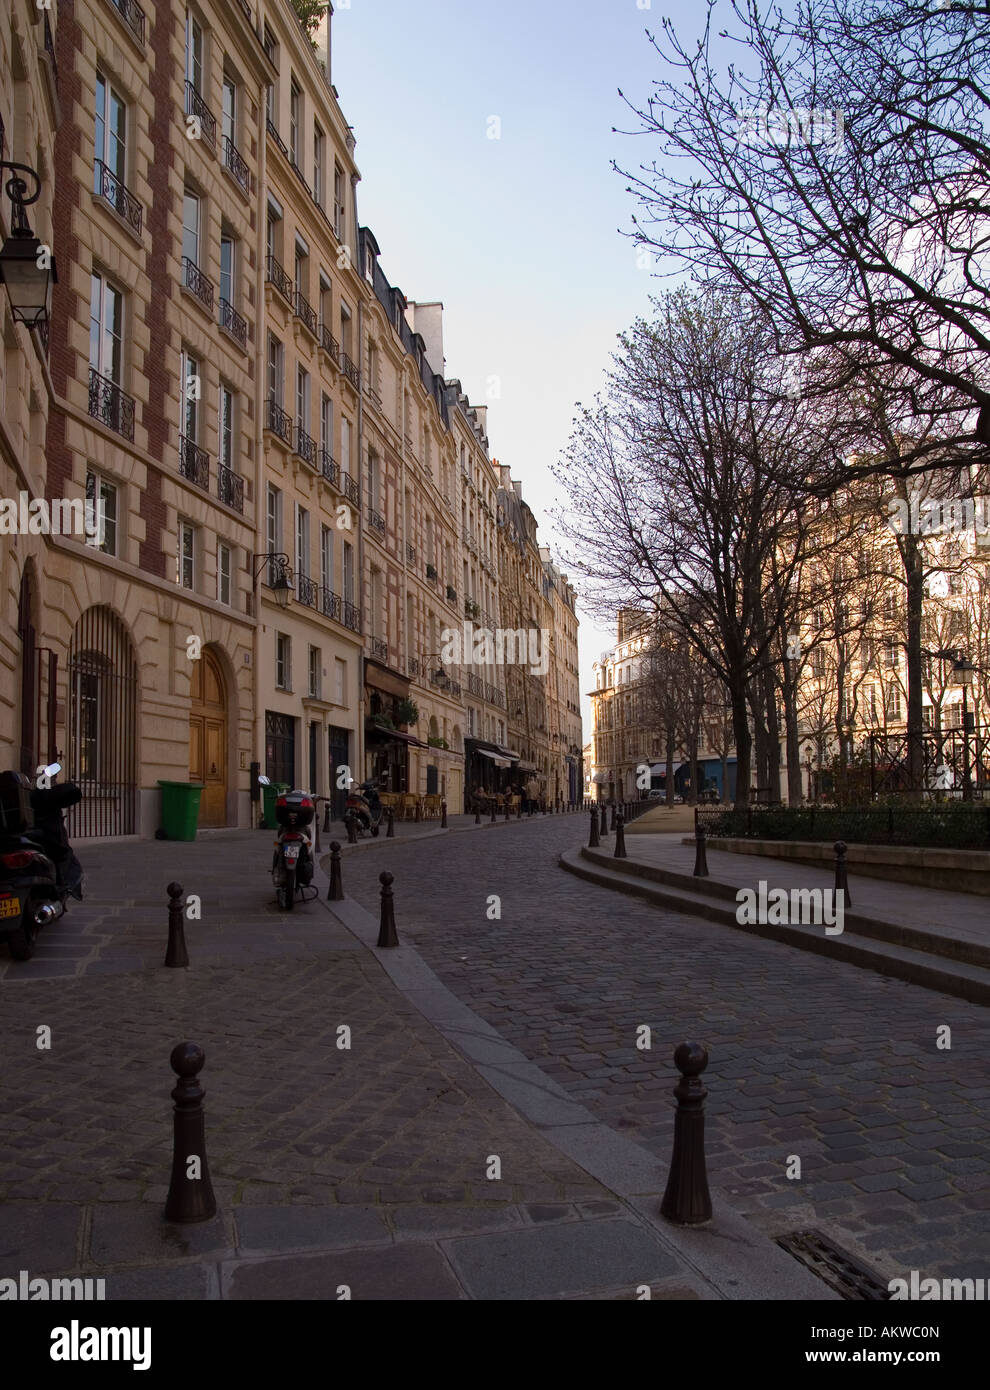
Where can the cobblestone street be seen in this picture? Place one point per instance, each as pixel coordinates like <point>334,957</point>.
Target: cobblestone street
<point>809,1057</point>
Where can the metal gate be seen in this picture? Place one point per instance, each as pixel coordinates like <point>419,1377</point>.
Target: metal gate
<point>340,757</point>
<point>280,748</point>
<point>101,729</point>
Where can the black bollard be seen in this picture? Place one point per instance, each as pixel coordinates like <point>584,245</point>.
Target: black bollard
<point>390,832</point>
<point>419,811</point>
<point>443,815</point>
<point>477,813</point>
<point>519,810</point>
<point>700,853</point>
<point>593,840</point>
<point>841,878</point>
<point>508,808</point>
<point>190,1193</point>
<point>612,826</point>
<point>351,830</point>
<point>387,935</point>
<point>493,811</point>
<point>687,1200</point>
<point>336,890</point>
<point>326,817</point>
<point>176,953</point>
<point>620,838</point>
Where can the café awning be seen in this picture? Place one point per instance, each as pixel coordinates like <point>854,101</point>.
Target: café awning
<point>495,757</point>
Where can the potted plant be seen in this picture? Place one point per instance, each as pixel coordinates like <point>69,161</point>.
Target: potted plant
<point>406,712</point>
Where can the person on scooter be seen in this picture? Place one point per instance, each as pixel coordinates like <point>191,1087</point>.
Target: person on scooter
<point>48,805</point>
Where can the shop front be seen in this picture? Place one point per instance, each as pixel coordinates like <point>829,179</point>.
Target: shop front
<point>488,768</point>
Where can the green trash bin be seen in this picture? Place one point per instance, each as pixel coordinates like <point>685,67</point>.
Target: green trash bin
<point>268,798</point>
<point>180,809</point>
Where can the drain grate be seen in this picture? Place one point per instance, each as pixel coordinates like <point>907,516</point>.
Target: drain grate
<point>842,1272</point>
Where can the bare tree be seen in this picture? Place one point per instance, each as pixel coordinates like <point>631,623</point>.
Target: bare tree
<point>838,182</point>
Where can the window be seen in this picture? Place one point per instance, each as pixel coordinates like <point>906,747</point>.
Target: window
<point>339,680</point>
<point>276,370</point>
<point>106,316</point>
<point>295,118</point>
<point>227,262</point>
<point>326,304</point>
<point>374,480</point>
<point>302,270</point>
<point>273,233</point>
<point>319,155</point>
<point>302,542</point>
<point>372,366</point>
<point>326,423</point>
<point>345,328</point>
<point>315,672</point>
<point>338,203</point>
<point>376,601</point>
<point>101,504</point>
<point>891,653</point>
<point>226,426</point>
<point>348,563</point>
<point>223,573</point>
<point>194,53</point>
<point>302,398</point>
<point>190,226</point>
<point>326,557</point>
<point>893,702</point>
<point>283,661</point>
<point>345,445</point>
<point>111,131</point>
<point>190,377</point>
<point>273,527</point>
<point>185,555</point>
<point>228,123</point>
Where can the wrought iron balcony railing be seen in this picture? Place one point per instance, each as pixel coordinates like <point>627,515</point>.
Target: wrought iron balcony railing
<point>451,594</point>
<point>197,283</point>
<point>275,275</point>
<point>272,129</point>
<point>350,370</point>
<point>376,521</point>
<point>351,616</point>
<point>231,321</point>
<point>305,445</point>
<point>351,490</point>
<point>413,665</point>
<point>278,421</point>
<point>410,554</point>
<point>308,591</point>
<point>379,649</point>
<point>306,313</point>
<point>196,106</point>
<point>132,15</point>
<point>230,487</point>
<point>110,405</point>
<point>475,685</point>
<point>194,463</point>
<point>329,344</point>
<point>330,603</point>
<point>329,467</point>
<point>236,163</point>
<point>117,196</point>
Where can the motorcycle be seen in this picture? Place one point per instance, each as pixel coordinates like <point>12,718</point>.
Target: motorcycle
<point>292,862</point>
<point>38,870</point>
<point>364,808</point>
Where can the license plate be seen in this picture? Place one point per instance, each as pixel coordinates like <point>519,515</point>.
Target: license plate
<point>10,907</point>
<point>292,851</point>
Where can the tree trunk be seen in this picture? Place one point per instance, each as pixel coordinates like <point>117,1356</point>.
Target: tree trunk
<point>911,553</point>
<point>744,746</point>
<point>669,778</point>
<point>795,791</point>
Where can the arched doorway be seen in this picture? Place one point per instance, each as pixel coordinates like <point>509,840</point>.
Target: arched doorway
<point>102,725</point>
<point>208,737</point>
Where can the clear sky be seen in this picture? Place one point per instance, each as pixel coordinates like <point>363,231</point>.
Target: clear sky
<point>519,236</point>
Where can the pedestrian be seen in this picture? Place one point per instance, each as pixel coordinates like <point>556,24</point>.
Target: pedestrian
<point>532,792</point>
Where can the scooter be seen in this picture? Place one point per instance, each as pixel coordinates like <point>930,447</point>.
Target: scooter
<point>292,862</point>
<point>364,808</point>
<point>38,870</point>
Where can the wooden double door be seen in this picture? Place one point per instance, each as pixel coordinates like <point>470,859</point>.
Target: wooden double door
<point>208,738</point>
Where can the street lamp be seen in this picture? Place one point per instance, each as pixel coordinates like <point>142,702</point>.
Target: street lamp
<point>280,583</point>
<point>27,267</point>
<point>964,671</point>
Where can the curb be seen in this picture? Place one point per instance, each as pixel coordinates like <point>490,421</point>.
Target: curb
<point>958,978</point>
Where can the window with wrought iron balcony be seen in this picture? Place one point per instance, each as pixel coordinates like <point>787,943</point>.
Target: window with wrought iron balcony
<point>110,146</point>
